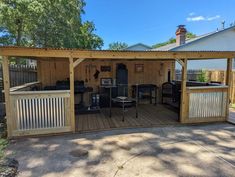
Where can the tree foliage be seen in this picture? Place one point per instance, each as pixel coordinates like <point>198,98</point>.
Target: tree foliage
<point>190,35</point>
<point>202,77</point>
<point>172,40</point>
<point>118,46</point>
<point>169,41</point>
<point>46,23</point>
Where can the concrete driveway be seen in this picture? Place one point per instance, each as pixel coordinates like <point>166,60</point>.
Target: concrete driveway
<point>207,150</point>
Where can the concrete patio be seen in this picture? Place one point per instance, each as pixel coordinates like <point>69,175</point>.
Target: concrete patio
<point>232,115</point>
<point>206,150</point>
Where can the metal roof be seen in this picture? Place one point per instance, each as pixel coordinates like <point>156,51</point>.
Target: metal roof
<point>173,46</point>
<point>110,54</point>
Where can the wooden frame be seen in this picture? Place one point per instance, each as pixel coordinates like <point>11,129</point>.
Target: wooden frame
<point>6,81</point>
<point>212,103</point>
<point>71,77</point>
<point>109,81</point>
<point>105,68</point>
<point>80,55</point>
<point>183,113</point>
<point>139,68</point>
<point>229,79</point>
<point>51,107</point>
<point>117,55</point>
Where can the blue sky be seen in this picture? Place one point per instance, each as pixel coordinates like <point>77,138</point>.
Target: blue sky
<point>153,21</point>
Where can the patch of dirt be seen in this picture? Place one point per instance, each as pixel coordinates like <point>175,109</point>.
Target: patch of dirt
<point>79,153</point>
<point>8,167</point>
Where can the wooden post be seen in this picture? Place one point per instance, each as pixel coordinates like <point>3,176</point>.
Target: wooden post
<point>72,111</point>
<point>173,71</point>
<point>183,111</point>
<point>229,74</point>
<point>39,72</point>
<point>6,81</point>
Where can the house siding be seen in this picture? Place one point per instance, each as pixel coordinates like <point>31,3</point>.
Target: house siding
<point>222,41</point>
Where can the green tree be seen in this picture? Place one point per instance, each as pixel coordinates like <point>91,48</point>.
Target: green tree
<point>190,35</point>
<point>202,77</point>
<point>172,40</point>
<point>117,46</point>
<point>46,23</point>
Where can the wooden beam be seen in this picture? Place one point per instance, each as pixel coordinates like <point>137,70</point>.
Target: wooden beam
<point>106,54</point>
<point>71,77</point>
<point>229,79</point>
<point>6,81</point>
<point>77,62</point>
<point>180,62</point>
<point>183,105</point>
<point>150,54</point>
<point>34,52</point>
<point>173,71</point>
<point>39,71</point>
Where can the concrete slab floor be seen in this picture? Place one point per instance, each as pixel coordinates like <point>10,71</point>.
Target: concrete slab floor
<point>205,150</point>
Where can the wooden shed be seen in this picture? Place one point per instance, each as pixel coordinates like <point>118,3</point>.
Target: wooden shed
<point>48,106</point>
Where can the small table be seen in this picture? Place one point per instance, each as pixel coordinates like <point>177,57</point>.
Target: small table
<point>124,101</point>
<point>142,88</point>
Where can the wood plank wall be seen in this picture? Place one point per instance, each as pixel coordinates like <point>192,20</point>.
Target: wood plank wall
<point>155,72</point>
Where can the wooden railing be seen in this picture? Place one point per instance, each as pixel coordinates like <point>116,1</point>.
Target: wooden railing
<point>40,112</point>
<point>206,104</point>
<point>26,87</point>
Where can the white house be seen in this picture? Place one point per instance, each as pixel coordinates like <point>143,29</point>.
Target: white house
<point>222,40</point>
<point>138,47</point>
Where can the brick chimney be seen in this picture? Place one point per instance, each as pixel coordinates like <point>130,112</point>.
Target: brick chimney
<point>180,35</point>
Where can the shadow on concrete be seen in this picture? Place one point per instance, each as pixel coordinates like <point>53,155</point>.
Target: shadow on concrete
<point>207,150</point>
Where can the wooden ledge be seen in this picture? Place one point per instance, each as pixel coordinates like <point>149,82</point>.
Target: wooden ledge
<point>13,89</point>
<point>40,92</point>
<point>207,87</point>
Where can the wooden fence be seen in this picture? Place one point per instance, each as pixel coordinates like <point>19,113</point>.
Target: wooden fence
<point>19,75</point>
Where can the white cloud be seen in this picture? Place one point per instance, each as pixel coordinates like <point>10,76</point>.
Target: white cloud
<point>202,18</point>
<point>192,13</point>
<point>213,18</point>
<point>197,18</point>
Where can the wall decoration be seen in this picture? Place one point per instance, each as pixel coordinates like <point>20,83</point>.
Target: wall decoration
<point>96,75</point>
<point>106,81</point>
<point>105,68</point>
<point>139,68</point>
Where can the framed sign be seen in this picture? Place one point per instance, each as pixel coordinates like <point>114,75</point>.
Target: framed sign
<point>139,68</point>
<point>105,68</point>
<point>106,81</point>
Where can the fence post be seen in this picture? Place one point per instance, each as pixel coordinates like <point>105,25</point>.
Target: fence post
<point>6,80</point>
<point>72,110</point>
<point>183,104</point>
<point>229,75</point>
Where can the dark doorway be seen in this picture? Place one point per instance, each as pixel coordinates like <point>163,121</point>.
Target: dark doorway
<point>122,80</point>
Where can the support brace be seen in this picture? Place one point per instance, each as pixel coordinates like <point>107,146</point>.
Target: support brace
<point>77,62</point>
<point>181,62</point>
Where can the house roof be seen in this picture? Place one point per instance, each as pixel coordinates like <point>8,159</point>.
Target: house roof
<point>138,44</point>
<point>173,46</point>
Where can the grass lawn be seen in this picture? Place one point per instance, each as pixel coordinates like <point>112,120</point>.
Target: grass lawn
<point>233,106</point>
<point>3,145</point>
